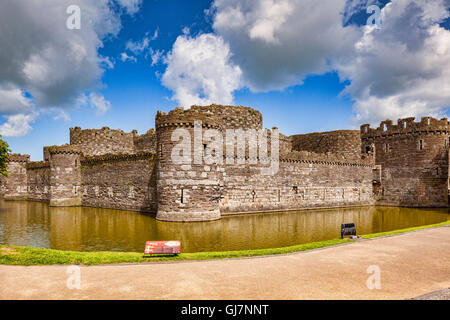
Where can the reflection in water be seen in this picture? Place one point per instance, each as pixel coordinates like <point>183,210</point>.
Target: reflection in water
<point>91,229</point>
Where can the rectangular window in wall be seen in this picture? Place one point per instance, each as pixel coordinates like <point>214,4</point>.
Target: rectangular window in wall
<point>182,199</point>
<point>420,144</point>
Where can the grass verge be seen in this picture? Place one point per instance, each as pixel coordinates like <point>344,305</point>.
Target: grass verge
<point>389,233</point>
<point>26,256</point>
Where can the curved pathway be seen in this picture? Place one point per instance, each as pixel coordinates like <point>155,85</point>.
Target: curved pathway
<point>411,265</point>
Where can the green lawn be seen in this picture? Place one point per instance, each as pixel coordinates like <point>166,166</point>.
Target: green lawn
<point>15,255</point>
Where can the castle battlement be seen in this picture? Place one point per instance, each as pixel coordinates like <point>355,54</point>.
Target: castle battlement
<point>64,149</point>
<point>180,117</point>
<point>15,157</point>
<point>406,126</point>
<point>405,164</point>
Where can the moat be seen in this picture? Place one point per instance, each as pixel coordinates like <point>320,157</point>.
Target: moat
<point>36,224</point>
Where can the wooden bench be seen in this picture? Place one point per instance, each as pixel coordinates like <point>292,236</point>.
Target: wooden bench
<point>162,247</point>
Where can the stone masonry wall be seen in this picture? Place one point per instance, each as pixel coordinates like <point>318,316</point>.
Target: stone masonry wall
<point>146,142</point>
<point>299,183</point>
<point>403,165</point>
<point>103,141</point>
<point>342,142</point>
<point>186,191</point>
<point>65,176</point>
<point>124,181</point>
<point>413,159</point>
<point>38,181</point>
<point>15,185</point>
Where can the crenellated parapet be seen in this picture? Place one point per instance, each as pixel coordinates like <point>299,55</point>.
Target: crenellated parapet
<point>102,141</point>
<point>180,117</point>
<point>406,126</point>
<point>15,157</point>
<point>65,149</point>
<point>108,158</point>
<point>234,117</point>
<point>37,165</point>
<point>327,158</point>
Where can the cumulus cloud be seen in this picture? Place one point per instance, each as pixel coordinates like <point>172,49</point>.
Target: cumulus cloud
<point>17,125</point>
<point>199,71</point>
<point>277,43</point>
<point>99,102</point>
<point>402,69</point>
<point>13,100</point>
<point>125,57</point>
<point>43,64</point>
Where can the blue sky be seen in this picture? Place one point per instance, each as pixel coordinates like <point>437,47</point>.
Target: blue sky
<point>309,100</point>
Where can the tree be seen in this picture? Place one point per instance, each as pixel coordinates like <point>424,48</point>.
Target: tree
<point>4,155</point>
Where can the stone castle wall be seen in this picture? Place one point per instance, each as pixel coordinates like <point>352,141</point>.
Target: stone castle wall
<point>341,142</point>
<point>413,161</point>
<point>299,183</point>
<point>38,174</point>
<point>402,165</point>
<point>126,182</point>
<point>145,142</point>
<point>15,186</point>
<point>103,141</point>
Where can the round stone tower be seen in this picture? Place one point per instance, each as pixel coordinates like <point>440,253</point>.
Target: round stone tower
<point>65,176</point>
<point>189,165</point>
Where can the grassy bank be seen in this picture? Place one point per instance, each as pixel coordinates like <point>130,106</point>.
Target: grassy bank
<point>15,255</point>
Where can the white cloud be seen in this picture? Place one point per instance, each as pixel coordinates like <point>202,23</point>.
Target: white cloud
<point>277,43</point>
<point>402,69</point>
<point>17,125</point>
<point>42,62</point>
<point>125,57</point>
<point>199,71</point>
<point>138,46</point>
<point>132,6</point>
<point>156,56</point>
<point>13,100</point>
<point>99,102</point>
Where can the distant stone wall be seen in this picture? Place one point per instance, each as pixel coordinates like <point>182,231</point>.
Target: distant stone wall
<point>302,181</point>
<point>102,141</point>
<point>146,142</point>
<point>123,181</point>
<point>341,142</point>
<point>38,181</point>
<point>413,161</point>
<point>15,186</point>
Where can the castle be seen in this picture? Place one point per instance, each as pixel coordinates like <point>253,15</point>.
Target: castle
<point>398,165</point>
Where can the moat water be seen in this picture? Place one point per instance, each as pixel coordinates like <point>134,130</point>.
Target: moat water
<point>90,229</point>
